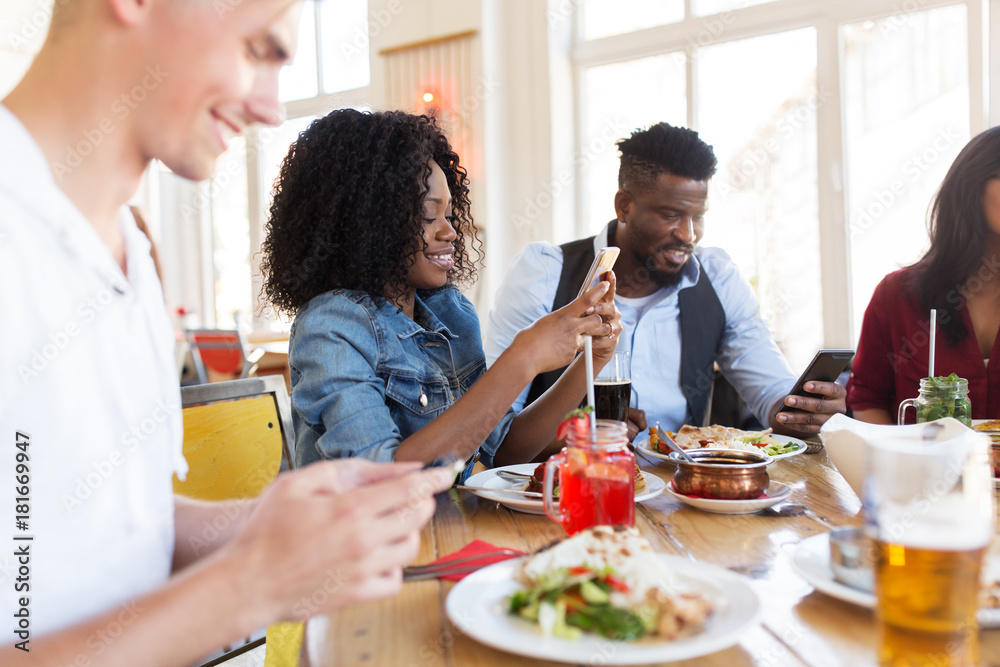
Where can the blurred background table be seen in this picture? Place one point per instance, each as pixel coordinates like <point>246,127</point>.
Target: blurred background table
<point>799,626</point>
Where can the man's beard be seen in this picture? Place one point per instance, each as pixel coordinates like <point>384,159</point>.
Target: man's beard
<point>660,278</point>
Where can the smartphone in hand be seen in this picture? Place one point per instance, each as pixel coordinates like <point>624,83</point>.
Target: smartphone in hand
<point>451,461</point>
<point>826,366</point>
<point>602,263</point>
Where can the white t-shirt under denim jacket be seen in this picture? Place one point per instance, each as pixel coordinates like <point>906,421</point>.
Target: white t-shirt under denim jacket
<point>365,376</point>
<point>90,417</point>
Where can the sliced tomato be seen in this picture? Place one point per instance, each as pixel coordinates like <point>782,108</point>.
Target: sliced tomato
<point>617,583</point>
<point>580,569</point>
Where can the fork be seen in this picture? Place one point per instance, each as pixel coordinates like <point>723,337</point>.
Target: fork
<point>431,570</point>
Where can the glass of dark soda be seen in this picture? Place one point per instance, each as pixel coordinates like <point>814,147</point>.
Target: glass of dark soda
<point>613,388</point>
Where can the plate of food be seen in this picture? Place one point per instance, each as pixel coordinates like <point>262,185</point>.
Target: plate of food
<point>647,485</point>
<point>811,561</point>
<point>776,493</point>
<point>723,437</point>
<point>604,596</point>
<point>991,427</point>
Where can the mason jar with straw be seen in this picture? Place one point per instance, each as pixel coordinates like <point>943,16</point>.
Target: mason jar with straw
<point>939,396</point>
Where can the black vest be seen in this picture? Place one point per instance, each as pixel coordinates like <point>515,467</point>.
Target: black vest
<point>703,322</point>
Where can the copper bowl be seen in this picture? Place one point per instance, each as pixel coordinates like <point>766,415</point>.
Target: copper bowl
<point>722,473</point>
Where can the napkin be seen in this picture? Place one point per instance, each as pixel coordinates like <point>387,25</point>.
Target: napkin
<point>473,548</point>
<point>846,441</point>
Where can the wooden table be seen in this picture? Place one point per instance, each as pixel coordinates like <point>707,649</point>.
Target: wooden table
<point>800,626</point>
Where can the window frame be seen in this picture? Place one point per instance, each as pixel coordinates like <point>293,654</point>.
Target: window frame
<point>827,18</point>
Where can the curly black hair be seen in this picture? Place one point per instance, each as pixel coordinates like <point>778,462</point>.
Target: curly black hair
<point>664,148</point>
<point>348,208</point>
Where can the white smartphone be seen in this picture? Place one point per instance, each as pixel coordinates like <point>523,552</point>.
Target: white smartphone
<point>603,263</point>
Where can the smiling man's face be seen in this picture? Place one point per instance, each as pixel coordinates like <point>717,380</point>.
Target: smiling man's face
<point>217,66</point>
<point>661,223</point>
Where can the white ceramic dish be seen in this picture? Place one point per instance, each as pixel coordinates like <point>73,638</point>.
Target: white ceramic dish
<point>488,479</point>
<point>811,561</point>
<point>776,493</point>
<point>644,447</point>
<point>477,606</point>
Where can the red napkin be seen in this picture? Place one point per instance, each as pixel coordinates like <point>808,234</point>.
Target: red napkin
<point>473,548</point>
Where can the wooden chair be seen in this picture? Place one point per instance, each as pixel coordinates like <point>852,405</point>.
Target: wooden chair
<point>237,437</point>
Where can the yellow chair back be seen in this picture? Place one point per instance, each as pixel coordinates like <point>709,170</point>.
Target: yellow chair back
<point>236,436</point>
<point>233,449</point>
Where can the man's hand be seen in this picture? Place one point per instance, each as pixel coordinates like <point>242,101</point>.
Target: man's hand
<point>334,533</point>
<point>816,410</point>
<point>636,423</point>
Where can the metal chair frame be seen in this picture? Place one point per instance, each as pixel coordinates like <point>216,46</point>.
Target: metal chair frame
<point>250,360</point>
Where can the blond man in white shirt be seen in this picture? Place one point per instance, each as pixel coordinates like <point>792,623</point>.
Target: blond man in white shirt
<point>104,567</point>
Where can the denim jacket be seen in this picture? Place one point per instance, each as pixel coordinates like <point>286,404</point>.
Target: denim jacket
<point>365,376</point>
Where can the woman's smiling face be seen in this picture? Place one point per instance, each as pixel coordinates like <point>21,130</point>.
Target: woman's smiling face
<point>434,258</point>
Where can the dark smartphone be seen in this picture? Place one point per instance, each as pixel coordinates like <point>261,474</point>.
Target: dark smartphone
<point>602,263</point>
<point>450,460</point>
<point>826,366</point>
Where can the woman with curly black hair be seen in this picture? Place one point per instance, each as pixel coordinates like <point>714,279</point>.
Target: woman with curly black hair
<point>960,277</point>
<point>369,233</point>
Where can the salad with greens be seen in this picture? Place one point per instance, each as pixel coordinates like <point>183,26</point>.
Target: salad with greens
<point>762,441</point>
<point>606,581</point>
<point>569,601</point>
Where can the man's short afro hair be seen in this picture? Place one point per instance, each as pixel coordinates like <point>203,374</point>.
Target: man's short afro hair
<point>664,148</point>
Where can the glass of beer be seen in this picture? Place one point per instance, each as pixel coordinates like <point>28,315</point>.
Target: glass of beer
<point>929,506</point>
<point>613,388</point>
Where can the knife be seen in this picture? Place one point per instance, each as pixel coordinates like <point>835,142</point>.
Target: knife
<point>480,489</point>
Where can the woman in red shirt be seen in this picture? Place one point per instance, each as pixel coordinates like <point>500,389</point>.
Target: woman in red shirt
<point>960,277</point>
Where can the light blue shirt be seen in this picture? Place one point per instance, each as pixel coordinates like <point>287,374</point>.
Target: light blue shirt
<point>746,354</point>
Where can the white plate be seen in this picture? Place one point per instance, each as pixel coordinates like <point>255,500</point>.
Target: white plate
<point>488,479</point>
<point>644,446</point>
<point>776,493</point>
<point>477,605</point>
<point>811,561</point>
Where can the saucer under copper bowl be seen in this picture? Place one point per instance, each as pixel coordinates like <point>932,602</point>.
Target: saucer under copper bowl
<point>725,474</point>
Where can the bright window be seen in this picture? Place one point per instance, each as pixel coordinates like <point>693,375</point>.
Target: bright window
<point>602,18</point>
<point>757,106</point>
<point>834,124</point>
<point>906,109</point>
<point>617,99</point>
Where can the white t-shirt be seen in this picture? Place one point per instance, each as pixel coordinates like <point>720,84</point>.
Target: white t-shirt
<point>89,377</point>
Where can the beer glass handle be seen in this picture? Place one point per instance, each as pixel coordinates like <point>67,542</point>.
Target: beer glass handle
<point>901,415</point>
<point>552,508</point>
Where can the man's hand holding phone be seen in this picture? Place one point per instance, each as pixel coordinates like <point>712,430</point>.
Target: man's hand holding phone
<point>815,397</point>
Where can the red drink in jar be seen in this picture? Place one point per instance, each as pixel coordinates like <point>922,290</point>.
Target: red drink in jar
<point>596,479</point>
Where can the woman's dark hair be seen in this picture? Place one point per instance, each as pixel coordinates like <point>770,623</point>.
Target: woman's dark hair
<point>958,231</point>
<point>348,208</point>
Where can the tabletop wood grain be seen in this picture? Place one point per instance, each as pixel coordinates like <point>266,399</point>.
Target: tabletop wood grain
<point>799,626</point>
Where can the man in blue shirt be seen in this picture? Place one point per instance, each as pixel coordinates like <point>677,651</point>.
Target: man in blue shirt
<point>684,308</point>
